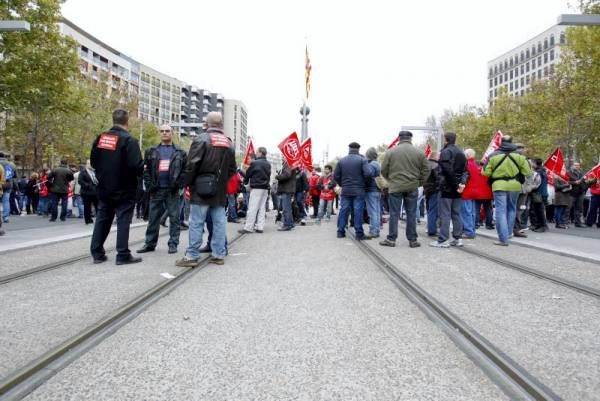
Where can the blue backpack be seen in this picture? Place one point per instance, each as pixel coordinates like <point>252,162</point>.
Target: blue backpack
<point>9,173</point>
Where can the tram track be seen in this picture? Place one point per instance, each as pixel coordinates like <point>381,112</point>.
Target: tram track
<point>512,378</point>
<point>24,380</point>
<point>56,265</point>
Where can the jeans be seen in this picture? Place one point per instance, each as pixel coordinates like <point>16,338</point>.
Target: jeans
<point>506,210</point>
<point>592,215</point>
<point>257,209</point>
<point>231,207</point>
<point>469,217</point>
<point>561,215</point>
<point>521,213</point>
<point>489,214</point>
<point>5,205</point>
<point>160,201</point>
<point>357,204</point>
<point>420,213</point>
<point>78,203</point>
<point>409,199</point>
<point>43,205</point>
<point>325,206</point>
<point>198,216</point>
<point>286,206</point>
<point>432,213</point>
<point>373,200</point>
<point>450,211</point>
<point>104,218</point>
<point>300,199</point>
<point>54,206</point>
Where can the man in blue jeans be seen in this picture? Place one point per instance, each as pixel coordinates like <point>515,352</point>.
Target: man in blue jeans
<point>505,168</point>
<point>372,194</point>
<point>286,188</point>
<point>406,169</point>
<point>211,162</point>
<point>351,174</point>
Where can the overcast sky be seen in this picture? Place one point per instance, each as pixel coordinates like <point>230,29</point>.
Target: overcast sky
<point>377,65</point>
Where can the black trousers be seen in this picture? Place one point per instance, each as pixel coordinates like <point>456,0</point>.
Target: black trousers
<point>163,201</point>
<point>105,214</point>
<point>315,202</point>
<point>55,198</point>
<point>88,202</point>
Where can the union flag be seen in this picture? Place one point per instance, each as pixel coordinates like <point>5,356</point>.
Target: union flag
<point>556,164</point>
<point>306,153</point>
<point>290,148</point>
<point>249,154</point>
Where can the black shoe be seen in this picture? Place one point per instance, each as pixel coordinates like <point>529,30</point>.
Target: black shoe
<point>244,231</point>
<point>205,249</point>
<point>341,235</point>
<point>387,242</point>
<point>285,229</point>
<point>172,249</point>
<point>100,259</point>
<point>63,219</point>
<point>89,222</point>
<point>183,227</point>
<point>145,249</point>
<point>490,227</point>
<point>259,231</point>
<point>579,225</point>
<point>539,229</point>
<point>561,226</point>
<point>519,234</point>
<point>414,244</point>
<point>51,220</point>
<point>130,260</point>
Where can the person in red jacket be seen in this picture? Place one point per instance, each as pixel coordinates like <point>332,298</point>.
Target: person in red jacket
<point>326,185</point>
<point>593,217</point>
<point>476,190</point>
<point>233,188</point>
<point>44,203</point>
<point>314,191</point>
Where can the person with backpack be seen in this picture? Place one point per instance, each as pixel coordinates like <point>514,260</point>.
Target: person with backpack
<point>506,170</point>
<point>10,172</point>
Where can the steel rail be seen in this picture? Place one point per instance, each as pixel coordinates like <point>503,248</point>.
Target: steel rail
<point>534,272</point>
<point>513,379</point>
<point>26,379</point>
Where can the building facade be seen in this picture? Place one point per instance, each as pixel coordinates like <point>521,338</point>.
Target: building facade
<point>195,105</point>
<point>516,70</point>
<point>159,97</point>
<point>235,118</point>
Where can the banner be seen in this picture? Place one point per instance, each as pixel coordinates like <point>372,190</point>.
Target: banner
<point>593,173</point>
<point>250,155</point>
<point>290,148</point>
<point>556,164</point>
<point>492,147</point>
<point>428,151</point>
<point>306,154</point>
<point>394,143</point>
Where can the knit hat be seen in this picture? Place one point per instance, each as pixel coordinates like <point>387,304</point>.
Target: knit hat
<point>371,154</point>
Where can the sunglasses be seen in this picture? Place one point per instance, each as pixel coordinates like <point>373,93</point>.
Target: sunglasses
<point>165,130</point>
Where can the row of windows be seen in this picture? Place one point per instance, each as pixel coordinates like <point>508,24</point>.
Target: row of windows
<point>526,54</point>
<point>524,68</point>
<point>527,80</point>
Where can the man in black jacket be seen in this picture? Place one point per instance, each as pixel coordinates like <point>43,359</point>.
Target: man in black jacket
<point>258,176</point>
<point>117,161</point>
<point>164,167</point>
<point>59,180</point>
<point>578,191</point>
<point>211,163</point>
<point>431,188</point>
<point>286,188</point>
<point>453,175</point>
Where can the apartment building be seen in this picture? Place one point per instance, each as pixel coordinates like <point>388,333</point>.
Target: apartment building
<point>236,124</point>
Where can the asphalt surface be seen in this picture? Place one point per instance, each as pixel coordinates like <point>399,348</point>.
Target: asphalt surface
<point>290,316</point>
<point>41,311</point>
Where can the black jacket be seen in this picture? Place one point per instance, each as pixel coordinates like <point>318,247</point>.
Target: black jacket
<point>351,173</point>
<point>286,179</point>
<point>176,169</point>
<point>258,174</point>
<point>453,168</point>
<point>59,179</point>
<point>88,188</point>
<point>210,153</point>
<point>577,189</point>
<point>117,160</point>
<point>301,182</point>
<point>432,185</point>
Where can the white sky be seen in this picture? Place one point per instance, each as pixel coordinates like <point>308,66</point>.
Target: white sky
<point>377,65</point>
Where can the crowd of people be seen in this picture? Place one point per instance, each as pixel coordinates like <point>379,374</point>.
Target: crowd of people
<point>203,189</point>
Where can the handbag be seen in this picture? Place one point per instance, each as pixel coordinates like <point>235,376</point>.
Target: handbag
<point>207,184</point>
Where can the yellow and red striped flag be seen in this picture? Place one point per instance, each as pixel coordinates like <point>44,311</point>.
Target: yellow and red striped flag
<point>308,68</point>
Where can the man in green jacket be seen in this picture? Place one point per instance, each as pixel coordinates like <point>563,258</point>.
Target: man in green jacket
<point>406,169</point>
<point>506,169</point>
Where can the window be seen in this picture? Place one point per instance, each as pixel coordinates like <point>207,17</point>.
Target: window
<point>545,58</point>
<point>511,74</point>
<point>516,72</point>
<point>522,69</point>
<point>540,74</point>
<point>527,67</point>
<point>522,82</point>
<point>562,38</point>
<point>533,64</point>
<point>539,48</point>
<point>522,56</point>
<point>516,85</point>
<point>527,55</point>
<point>546,44</point>
<point>527,79</point>
<point>539,61</point>
<point>506,64</point>
<point>505,76</point>
<point>545,71</point>
<point>532,51</point>
<point>551,54</point>
<point>551,40</point>
<point>511,62</point>
<point>495,92</point>
<point>511,86</point>
<point>496,69</point>
<point>490,73</point>
<point>491,83</point>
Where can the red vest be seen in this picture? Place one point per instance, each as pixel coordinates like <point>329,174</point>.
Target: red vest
<point>326,193</point>
<point>477,187</point>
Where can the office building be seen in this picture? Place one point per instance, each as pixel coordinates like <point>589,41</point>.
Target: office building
<point>236,124</point>
<point>517,69</point>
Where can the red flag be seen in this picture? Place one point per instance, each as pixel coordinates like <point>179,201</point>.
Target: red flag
<point>556,164</point>
<point>593,173</point>
<point>394,143</point>
<point>492,147</point>
<point>550,177</point>
<point>306,153</point>
<point>290,147</point>
<point>249,154</point>
<point>428,151</point>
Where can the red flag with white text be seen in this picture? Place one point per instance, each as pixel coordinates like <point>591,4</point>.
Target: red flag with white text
<point>593,173</point>
<point>290,148</point>
<point>492,147</point>
<point>249,154</point>
<point>306,153</point>
<point>428,151</point>
<point>556,164</point>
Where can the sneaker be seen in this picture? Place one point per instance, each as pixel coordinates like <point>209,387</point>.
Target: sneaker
<point>520,234</point>
<point>244,231</point>
<point>387,242</point>
<point>130,260</point>
<point>303,222</point>
<point>217,261</point>
<point>285,229</point>
<point>438,244</point>
<point>457,243</point>
<point>414,244</point>
<point>172,249</point>
<point>341,235</point>
<point>539,229</point>
<point>187,262</point>
<point>561,226</point>
<point>500,243</point>
<point>371,236</point>
<point>100,259</point>
<point>145,249</point>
